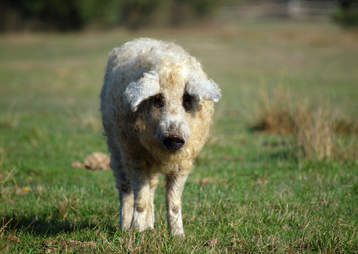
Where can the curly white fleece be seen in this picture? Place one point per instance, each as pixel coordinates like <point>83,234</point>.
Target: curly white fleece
<point>135,127</point>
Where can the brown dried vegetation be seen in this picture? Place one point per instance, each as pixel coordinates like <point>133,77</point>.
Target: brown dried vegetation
<point>95,160</point>
<point>316,131</point>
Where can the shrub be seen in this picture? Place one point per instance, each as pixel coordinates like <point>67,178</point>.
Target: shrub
<point>347,13</point>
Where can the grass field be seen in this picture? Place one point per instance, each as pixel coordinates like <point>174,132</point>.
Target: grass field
<point>247,194</point>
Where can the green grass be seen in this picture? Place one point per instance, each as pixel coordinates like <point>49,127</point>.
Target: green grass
<point>247,194</point>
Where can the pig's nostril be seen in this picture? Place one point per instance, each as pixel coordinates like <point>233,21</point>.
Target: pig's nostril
<point>173,143</point>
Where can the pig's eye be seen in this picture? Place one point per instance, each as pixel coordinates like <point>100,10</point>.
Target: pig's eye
<point>188,102</point>
<point>158,101</point>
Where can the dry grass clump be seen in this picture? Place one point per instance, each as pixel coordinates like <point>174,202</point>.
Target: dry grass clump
<point>314,133</point>
<point>345,126</point>
<point>277,121</point>
<point>316,130</point>
<point>274,116</point>
<point>95,160</point>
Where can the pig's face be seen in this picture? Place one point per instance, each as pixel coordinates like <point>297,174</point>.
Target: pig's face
<point>173,125</point>
<point>167,106</point>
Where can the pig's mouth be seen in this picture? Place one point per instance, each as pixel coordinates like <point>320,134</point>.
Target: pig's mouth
<point>173,143</point>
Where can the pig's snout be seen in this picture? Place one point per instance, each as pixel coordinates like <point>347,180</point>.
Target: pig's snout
<point>173,143</point>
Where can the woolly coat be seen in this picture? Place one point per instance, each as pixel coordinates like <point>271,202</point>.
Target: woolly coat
<point>137,71</point>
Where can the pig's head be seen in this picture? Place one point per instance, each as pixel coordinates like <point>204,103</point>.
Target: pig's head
<point>167,103</point>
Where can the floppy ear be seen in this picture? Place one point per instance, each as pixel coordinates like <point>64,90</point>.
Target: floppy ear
<point>203,89</point>
<point>138,91</point>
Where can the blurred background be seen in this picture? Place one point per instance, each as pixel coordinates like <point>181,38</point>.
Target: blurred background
<point>83,14</point>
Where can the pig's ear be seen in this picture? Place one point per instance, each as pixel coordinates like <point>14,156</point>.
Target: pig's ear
<point>203,89</point>
<point>140,90</point>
